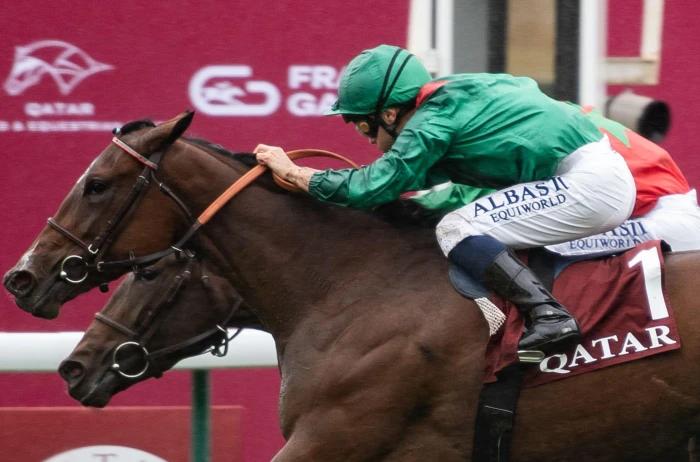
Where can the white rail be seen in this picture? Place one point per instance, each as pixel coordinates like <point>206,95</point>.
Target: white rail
<point>39,352</point>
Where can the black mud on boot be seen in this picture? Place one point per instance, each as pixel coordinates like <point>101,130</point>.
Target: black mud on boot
<point>549,327</point>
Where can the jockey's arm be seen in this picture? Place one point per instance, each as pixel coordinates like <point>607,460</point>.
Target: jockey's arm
<point>277,160</point>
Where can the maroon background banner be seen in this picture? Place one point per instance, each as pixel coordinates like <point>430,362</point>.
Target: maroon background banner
<point>253,72</point>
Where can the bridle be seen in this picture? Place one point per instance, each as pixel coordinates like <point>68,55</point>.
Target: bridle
<point>76,268</point>
<point>215,340</point>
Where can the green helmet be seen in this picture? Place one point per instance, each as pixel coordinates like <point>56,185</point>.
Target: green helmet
<point>379,78</point>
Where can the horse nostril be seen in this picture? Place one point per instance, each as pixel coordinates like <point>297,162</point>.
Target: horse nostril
<point>20,283</point>
<point>71,371</point>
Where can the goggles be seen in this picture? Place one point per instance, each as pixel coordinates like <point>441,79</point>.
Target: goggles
<point>368,127</point>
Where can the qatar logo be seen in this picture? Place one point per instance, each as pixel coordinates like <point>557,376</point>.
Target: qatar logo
<point>66,64</point>
<point>214,90</point>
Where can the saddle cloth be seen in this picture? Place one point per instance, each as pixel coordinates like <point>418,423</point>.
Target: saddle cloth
<point>620,306</point>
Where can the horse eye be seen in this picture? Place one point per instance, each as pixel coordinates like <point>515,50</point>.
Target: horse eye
<point>95,187</point>
<point>147,274</point>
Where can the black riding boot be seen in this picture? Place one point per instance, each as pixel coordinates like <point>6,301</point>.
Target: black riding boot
<point>549,325</point>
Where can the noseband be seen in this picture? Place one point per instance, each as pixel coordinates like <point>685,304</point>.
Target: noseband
<point>76,268</point>
<point>216,340</point>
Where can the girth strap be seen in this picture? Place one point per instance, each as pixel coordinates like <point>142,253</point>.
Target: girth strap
<point>496,414</point>
<point>498,401</point>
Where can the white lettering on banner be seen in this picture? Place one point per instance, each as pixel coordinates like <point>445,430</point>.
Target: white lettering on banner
<point>222,98</point>
<point>307,104</point>
<point>46,126</point>
<point>58,108</point>
<point>318,77</point>
<point>657,336</point>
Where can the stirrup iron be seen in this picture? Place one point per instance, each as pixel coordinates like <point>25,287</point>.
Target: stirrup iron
<point>530,356</point>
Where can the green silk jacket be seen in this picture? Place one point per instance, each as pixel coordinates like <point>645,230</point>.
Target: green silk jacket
<point>482,130</point>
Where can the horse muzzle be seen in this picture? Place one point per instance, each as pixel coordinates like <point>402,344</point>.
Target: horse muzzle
<point>89,392</point>
<point>41,298</point>
<point>19,283</point>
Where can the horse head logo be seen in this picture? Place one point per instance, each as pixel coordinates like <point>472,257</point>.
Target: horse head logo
<point>67,64</point>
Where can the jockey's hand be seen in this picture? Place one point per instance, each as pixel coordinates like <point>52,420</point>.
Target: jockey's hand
<point>278,161</point>
<point>275,159</point>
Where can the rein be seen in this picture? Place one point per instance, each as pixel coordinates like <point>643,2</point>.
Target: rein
<point>258,170</point>
<point>76,268</point>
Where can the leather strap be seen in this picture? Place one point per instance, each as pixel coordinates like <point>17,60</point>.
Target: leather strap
<point>129,150</point>
<point>66,233</point>
<point>496,416</point>
<point>115,325</point>
<point>258,170</point>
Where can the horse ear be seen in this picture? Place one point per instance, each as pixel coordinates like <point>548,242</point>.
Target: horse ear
<point>165,134</point>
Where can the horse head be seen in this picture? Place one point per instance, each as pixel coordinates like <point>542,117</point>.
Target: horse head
<point>116,211</point>
<point>177,308</point>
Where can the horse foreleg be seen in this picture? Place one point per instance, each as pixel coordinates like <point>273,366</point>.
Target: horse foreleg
<point>296,450</point>
<point>329,436</point>
<point>417,445</point>
<point>320,445</point>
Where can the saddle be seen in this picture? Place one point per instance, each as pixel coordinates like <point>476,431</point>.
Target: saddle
<point>620,321</point>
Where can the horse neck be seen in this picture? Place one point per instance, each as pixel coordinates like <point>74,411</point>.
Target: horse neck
<point>290,255</point>
<point>296,259</point>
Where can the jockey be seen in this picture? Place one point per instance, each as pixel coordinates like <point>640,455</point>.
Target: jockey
<point>665,209</point>
<point>555,176</point>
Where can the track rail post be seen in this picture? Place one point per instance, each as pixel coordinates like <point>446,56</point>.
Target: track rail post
<point>201,444</point>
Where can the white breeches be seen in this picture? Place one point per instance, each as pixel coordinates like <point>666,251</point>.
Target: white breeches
<point>675,219</point>
<point>592,192</point>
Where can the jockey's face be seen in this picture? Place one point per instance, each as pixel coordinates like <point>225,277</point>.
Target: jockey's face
<point>369,127</point>
<point>384,140</point>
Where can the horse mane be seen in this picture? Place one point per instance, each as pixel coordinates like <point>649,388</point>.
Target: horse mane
<point>217,148</point>
<point>400,213</point>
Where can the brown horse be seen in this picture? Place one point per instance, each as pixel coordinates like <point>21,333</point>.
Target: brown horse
<point>162,314</point>
<point>380,358</point>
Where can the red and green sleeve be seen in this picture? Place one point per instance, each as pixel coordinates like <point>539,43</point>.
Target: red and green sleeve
<point>654,171</point>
